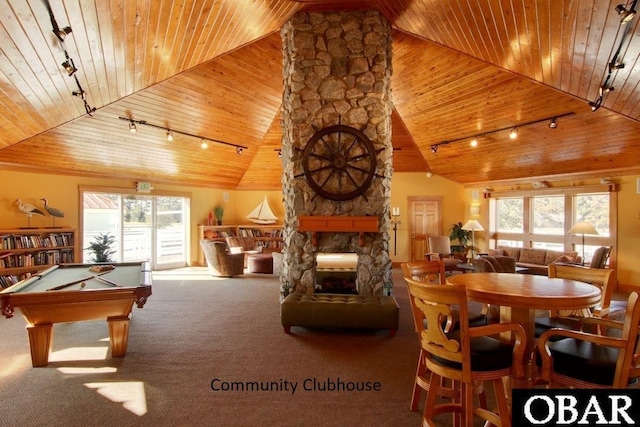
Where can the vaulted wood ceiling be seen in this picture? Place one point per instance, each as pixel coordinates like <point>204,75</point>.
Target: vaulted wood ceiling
<point>213,69</point>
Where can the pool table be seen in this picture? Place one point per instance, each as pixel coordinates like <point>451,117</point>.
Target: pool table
<point>74,292</point>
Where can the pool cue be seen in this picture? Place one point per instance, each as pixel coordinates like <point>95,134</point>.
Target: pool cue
<point>75,282</point>
<point>102,279</point>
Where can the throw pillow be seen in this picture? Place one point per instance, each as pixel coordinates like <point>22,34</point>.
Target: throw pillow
<point>533,256</point>
<point>564,259</point>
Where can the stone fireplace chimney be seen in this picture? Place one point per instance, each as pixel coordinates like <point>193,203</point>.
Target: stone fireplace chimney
<point>337,71</point>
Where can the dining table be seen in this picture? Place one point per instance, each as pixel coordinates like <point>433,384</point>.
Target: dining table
<point>520,295</point>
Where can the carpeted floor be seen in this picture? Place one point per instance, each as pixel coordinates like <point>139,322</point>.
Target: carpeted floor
<point>196,330</point>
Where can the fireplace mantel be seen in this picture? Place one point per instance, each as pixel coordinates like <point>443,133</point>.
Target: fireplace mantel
<point>338,224</point>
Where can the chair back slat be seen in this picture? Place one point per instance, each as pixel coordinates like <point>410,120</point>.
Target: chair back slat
<point>434,303</point>
<point>602,278</point>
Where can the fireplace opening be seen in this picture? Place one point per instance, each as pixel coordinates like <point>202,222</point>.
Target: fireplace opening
<point>336,273</point>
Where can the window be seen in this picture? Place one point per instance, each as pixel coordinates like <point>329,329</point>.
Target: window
<point>145,227</point>
<point>548,215</point>
<point>542,218</point>
<point>510,215</point>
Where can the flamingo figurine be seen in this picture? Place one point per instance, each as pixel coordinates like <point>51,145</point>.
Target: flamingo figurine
<point>53,212</point>
<point>28,209</point>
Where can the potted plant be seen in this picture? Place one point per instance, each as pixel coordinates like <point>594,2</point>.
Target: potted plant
<point>101,247</point>
<point>218,211</point>
<point>462,236</point>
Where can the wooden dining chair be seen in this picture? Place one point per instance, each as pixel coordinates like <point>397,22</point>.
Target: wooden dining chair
<point>431,273</point>
<point>589,360</point>
<point>570,319</point>
<point>468,355</point>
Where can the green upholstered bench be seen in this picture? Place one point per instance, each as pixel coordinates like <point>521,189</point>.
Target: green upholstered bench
<point>340,311</point>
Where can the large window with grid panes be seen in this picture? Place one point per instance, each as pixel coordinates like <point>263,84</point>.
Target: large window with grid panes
<point>543,218</point>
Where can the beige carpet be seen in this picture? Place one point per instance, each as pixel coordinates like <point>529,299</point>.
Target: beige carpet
<point>195,329</point>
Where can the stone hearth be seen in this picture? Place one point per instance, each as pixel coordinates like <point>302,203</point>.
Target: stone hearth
<point>336,71</point>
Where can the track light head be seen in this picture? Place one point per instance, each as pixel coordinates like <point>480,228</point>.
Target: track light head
<point>595,105</point>
<point>625,14</point>
<point>239,151</point>
<point>61,34</point>
<point>69,67</point>
<point>79,93</point>
<point>474,142</point>
<point>132,127</point>
<point>169,136</point>
<point>203,144</point>
<point>513,134</point>
<point>434,149</point>
<point>553,123</point>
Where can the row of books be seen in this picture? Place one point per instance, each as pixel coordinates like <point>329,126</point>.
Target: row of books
<point>37,258</point>
<point>254,232</point>
<point>271,245</point>
<point>6,281</point>
<point>217,234</point>
<point>35,241</point>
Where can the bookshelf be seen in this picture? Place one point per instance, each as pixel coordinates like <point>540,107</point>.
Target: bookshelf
<point>26,251</point>
<point>269,236</point>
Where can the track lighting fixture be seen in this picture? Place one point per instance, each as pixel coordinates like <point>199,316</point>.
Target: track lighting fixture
<point>132,127</point>
<point>204,142</point>
<point>69,67</point>
<point>627,12</point>
<point>513,131</point>
<point>61,33</point>
<point>626,15</point>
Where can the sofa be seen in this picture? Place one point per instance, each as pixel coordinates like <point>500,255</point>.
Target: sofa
<point>497,264</point>
<point>535,261</point>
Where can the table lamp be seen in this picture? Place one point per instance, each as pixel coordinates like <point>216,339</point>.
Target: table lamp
<point>583,228</point>
<point>472,225</point>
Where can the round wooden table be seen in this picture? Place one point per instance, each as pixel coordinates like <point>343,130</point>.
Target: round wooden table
<point>519,295</point>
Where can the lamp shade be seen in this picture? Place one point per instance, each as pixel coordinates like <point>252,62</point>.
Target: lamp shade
<point>582,228</point>
<point>472,225</point>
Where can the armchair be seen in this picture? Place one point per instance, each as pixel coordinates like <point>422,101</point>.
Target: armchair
<point>220,261</point>
<point>604,278</point>
<point>441,245</point>
<point>586,360</point>
<point>244,245</point>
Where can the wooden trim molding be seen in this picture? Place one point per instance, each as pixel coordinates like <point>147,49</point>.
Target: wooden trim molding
<point>338,224</point>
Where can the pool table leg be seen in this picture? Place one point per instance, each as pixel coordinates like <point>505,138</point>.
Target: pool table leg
<point>40,339</point>
<point>118,335</point>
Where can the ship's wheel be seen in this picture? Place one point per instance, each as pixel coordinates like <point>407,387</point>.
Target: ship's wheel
<point>339,162</point>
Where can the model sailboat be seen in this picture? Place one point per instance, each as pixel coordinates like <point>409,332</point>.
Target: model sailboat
<point>262,214</point>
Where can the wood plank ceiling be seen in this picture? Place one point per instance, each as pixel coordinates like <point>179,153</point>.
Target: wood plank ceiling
<point>212,69</point>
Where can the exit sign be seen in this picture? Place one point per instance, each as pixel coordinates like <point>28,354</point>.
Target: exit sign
<point>143,187</point>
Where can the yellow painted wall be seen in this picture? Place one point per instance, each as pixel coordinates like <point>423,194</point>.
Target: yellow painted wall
<point>63,193</point>
<point>404,185</point>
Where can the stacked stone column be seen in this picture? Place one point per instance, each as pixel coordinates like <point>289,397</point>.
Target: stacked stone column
<point>336,70</point>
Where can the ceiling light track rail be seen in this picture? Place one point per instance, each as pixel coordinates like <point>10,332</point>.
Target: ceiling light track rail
<point>170,132</point>
<point>68,64</point>
<point>627,12</point>
<point>513,131</point>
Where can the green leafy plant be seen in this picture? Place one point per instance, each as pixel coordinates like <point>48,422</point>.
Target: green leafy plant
<point>462,236</point>
<point>101,247</point>
<point>218,211</point>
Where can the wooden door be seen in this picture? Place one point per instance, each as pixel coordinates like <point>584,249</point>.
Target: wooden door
<point>425,215</point>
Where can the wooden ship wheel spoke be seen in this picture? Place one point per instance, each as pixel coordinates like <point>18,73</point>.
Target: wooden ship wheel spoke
<point>339,162</point>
